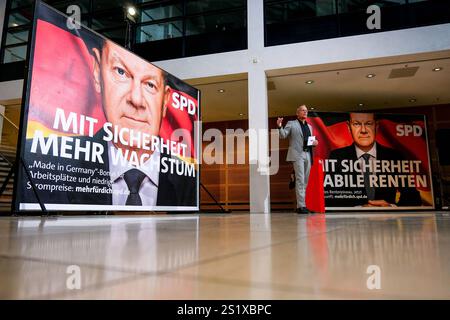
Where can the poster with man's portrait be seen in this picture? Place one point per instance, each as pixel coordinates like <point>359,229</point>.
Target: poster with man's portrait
<point>102,128</point>
<point>374,161</point>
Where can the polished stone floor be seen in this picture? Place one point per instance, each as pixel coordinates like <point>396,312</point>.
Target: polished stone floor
<point>236,256</point>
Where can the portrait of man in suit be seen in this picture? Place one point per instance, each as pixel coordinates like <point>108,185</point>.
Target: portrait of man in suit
<point>134,97</point>
<point>300,153</point>
<point>365,149</point>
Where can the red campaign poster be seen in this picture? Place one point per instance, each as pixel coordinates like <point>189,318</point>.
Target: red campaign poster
<point>372,161</point>
<point>104,129</point>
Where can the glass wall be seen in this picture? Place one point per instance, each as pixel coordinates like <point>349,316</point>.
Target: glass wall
<point>16,30</point>
<point>168,29</point>
<point>291,21</point>
<point>164,28</point>
<point>182,28</point>
<point>104,16</point>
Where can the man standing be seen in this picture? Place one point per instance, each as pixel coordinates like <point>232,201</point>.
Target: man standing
<point>300,153</point>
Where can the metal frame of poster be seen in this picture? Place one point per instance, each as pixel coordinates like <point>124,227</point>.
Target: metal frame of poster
<point>102,129</point>
<point>374,161</point>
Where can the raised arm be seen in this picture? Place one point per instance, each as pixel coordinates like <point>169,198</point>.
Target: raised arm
<point>286,131</point>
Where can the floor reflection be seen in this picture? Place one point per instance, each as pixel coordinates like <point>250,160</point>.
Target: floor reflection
<point>239,256</point>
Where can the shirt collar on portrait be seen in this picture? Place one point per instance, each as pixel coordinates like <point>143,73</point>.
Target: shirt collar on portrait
<point>150,167</point>
<point>372,152</point>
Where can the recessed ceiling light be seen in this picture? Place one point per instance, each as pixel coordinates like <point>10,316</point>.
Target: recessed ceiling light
<point>370,75</point>
<point>312,108</point>
<point>221,90</point>
<point>241,114</point>
<point>309,82</point>
<point>360,104</point>
<point>437,69</point>
<point>412,100</point>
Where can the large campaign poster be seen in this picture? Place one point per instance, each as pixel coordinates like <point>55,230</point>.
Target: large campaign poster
<point>373,161</point>
<point>102,128</point>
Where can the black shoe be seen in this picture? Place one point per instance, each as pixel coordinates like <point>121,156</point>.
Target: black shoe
<point>302,210</point>
<point>306,210</point>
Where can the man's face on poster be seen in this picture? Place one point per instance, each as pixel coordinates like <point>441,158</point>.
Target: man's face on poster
<point>134,93</point>
<point>363,129</point>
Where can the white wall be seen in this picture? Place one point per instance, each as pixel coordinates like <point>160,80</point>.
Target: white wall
<point>11,90</point>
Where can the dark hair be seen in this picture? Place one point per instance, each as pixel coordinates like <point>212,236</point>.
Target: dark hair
<point>92,40</point>
<point>375,116</point>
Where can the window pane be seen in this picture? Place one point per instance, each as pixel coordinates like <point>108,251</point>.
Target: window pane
<point>14,54</point>
<point>17,19</point>
<point>20,3</point>
<point>158,13</point>
<point>117,35</point>
<point>62,5</point>
<point>111,20</point>
<point>14,37</point>
<point>199,6</point>
<point>216,23</point>
<point>107,4</point>
<point>362,5</point>
<point>159,31</point>
<point>295,10</point>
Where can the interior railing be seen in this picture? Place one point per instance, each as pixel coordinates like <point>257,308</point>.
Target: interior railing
<point>7,155</point>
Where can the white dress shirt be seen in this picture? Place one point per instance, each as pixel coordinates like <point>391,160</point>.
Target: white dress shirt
<point>372,152</point>
<point>149,186</point>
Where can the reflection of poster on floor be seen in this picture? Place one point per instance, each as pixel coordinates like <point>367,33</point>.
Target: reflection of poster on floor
<point>104,129</point>
<point>374,161</point>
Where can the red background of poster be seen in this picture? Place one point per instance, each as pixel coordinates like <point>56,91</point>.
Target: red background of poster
<point>334,134</point>
<point>63,62</point>
<point>338,135</point>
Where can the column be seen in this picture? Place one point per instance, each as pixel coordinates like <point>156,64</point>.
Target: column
<point>257,111</point>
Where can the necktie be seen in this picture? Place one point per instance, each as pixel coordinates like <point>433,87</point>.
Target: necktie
<point>133,178</point>
<point>370,191</point>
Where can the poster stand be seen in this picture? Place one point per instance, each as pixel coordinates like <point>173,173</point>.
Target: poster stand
<point>33,186</point>
<point>52,39</point>
<point>222,209</point>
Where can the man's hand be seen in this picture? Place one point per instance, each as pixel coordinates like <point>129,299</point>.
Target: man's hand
<point>315,143</point>
<point>377,203</point>
<point>279,122</point>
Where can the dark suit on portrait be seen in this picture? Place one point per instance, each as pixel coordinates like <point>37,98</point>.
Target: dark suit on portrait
<point>173,190</point>
<point>408,196</point>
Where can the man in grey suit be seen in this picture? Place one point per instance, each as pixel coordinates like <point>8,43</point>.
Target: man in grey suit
<point>299,153</point>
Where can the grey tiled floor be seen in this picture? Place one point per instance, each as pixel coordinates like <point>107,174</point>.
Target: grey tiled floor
<point>237,256</point>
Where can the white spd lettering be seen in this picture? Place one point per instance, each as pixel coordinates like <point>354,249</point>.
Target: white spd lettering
<point>404,130</point>
<point>180,102</point>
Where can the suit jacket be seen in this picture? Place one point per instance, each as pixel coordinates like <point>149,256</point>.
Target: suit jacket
<point>173,190</point>
<point>293,130</point>
<point>408,196</point>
